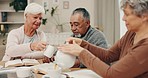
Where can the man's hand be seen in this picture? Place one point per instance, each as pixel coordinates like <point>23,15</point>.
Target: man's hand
<point>70,40</point>
<point>48,60</point>
<point>77,64</point>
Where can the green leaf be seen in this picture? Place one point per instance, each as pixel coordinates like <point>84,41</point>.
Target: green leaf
<point>44,21</point>
<point>52,11</point>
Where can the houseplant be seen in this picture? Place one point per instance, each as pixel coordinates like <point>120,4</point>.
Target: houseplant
<point>54,18</point>
<point>18,4</point>
<point>44,20</point>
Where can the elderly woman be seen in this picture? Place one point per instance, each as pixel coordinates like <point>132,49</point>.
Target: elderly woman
<point>27,41</point>
<point>130,52</point>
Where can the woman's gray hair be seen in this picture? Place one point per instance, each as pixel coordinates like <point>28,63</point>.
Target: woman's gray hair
<point>83,11</point>
<point>34,8</point>
<point>139,7</point>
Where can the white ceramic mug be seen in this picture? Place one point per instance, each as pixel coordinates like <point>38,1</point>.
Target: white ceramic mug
<point>53,71</point>
<point>64,60</point>
<point>50,50</point>
<point>23,72</point>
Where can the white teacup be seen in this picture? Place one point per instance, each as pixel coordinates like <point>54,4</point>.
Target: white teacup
<point>23,72</point>
<point>50,50</point>
<point>53,71</point>
<point>64,60</point>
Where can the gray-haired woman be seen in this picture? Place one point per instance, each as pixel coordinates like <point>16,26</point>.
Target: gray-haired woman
<point>130,52</point>
<point>27,41</point>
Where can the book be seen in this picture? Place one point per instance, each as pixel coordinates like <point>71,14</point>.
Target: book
<point>19,62</point>
<point>0,17</point>
<point>41,68</point>
<point>45,68</point>
<point>4,16</point>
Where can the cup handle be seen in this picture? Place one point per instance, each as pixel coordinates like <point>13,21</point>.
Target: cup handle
<point>66,75</point>
<point>32,75</point>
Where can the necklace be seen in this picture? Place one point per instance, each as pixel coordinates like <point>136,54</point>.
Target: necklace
<point>28,39</point>
<point>31,39</point>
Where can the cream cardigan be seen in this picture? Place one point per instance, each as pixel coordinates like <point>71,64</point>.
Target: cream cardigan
<point>15,46</point>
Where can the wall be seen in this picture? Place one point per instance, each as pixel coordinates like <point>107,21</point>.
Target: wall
<point>103,13</point>
<point>108,18</point>
<point>65,13</point>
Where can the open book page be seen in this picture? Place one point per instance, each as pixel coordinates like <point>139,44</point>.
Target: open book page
<point>13,63</point>
<point>44,68</point>
<point>30,62</point>
<point>41,68</point>
<point>83,73</point>
<point>19,62</point>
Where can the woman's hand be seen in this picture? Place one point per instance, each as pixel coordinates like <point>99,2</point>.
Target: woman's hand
<point>71,39</point>
<point>38,46</point>
<point>73,49</point>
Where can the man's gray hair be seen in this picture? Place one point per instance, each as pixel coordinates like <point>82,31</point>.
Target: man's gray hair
<point>34,8</point>
<point>83,11</point>
<point>139,7</point>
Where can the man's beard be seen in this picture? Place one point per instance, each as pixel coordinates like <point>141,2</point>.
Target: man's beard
<point>78,36</point>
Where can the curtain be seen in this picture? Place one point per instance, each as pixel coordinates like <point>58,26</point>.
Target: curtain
<point>108,18</point>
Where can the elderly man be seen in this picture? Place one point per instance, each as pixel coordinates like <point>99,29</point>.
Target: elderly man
<point>81,28</point>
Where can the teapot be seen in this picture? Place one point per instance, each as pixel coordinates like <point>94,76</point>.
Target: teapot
<point>63,60</point>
